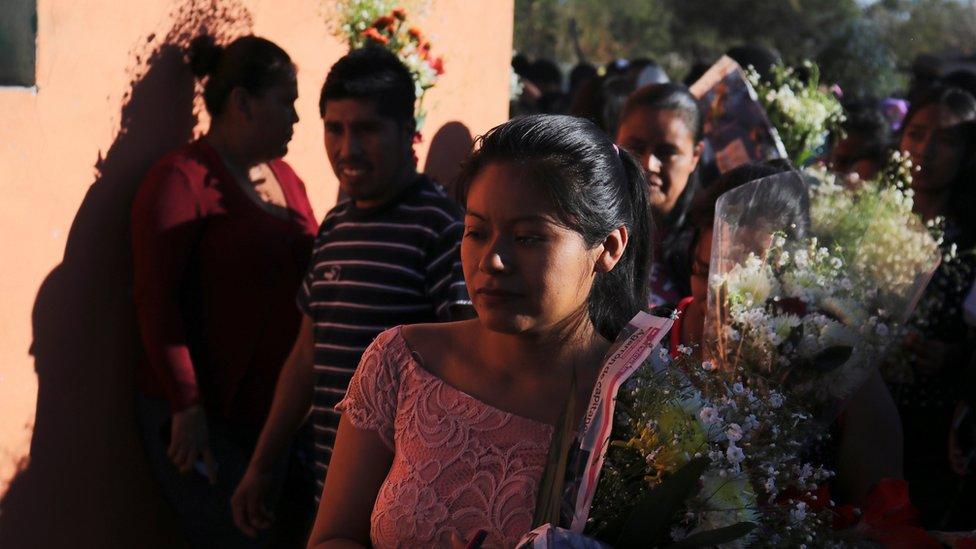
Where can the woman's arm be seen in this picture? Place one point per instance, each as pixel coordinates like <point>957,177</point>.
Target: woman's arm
<point>359,465</point>
<point>166,224</point>
<point>870,441</point>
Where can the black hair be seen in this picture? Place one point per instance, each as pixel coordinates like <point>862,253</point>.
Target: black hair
<point>866,119</point>
<point>964,79</point>
<point>544,72</point>
<point>701,214</point>
<point>758,57</point>
<point>581,73</point>
<point>962,199</point>
<point>249,62</point>
<point>595,187</point>
<point>373,74</point>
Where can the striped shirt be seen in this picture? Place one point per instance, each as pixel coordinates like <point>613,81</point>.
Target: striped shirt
<point>373,269</point>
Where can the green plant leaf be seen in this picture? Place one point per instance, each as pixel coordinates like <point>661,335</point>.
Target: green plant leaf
<point>652,515</point>
<point>718,536</point>
<point>550,495</point>
<point>831,358</point>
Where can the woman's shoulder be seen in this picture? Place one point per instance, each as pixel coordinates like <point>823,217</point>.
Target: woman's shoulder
<point>286,174</point>
<point>435,337</point>
<point>190,162</point>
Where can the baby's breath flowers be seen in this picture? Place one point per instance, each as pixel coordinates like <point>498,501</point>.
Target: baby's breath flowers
<point>889,251</point>
<point>802,113</point>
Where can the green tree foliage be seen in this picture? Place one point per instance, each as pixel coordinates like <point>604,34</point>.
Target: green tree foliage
<point>862,45</point>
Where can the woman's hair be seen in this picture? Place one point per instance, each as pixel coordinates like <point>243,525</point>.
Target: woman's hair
<point>249,62</point>
<point>701,215</point>
<point>595,187</point>
<point>962,106</point>
<point>865,119</point>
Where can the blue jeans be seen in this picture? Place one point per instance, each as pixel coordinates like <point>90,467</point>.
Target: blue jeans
<point>203,509</point>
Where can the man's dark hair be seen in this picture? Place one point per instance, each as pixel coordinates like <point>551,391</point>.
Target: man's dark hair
<point>372,74</point>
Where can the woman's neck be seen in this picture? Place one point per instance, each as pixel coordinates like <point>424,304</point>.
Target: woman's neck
<point>554,351</point>
<point>932,204</point>
<point>231,150</point>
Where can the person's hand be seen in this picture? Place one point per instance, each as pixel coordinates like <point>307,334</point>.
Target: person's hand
<point>930,354</point>
<point>957,455</point>
<point>248,502</point>
<point>190,442</point>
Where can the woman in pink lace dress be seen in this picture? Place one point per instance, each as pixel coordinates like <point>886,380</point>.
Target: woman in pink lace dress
<point>446,427</point>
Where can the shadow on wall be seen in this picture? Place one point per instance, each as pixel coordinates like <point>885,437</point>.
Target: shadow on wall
<point>86,483</point>
<point>449,147</point>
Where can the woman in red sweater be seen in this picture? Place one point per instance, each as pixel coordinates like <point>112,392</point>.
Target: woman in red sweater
<point>221,233</point>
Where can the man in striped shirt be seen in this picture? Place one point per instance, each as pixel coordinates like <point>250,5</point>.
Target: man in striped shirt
<point>386,256</point>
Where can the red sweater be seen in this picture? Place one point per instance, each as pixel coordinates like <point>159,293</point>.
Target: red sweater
<point>215,283</point>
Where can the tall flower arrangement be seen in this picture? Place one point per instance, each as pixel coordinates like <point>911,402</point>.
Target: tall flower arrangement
<point>803,114</point>
<point>890,251</point>
<point>384,23</point>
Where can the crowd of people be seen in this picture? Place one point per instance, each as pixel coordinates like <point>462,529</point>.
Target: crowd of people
<point>394,375</point>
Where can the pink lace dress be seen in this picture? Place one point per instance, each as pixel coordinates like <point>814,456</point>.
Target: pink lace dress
<point>459,464</point>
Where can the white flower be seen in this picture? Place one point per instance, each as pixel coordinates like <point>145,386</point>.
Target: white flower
<point>733,432</point>
<point>750,422</point>
<point>799,513</point>
<point>685,350</point>
<point>735,455</point>
<point>708,366</point>
<point>709,416</point>
<point>775,399</point>
<point>737,388</point>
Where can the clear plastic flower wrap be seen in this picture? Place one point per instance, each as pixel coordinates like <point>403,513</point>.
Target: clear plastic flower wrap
<point>786,309</point>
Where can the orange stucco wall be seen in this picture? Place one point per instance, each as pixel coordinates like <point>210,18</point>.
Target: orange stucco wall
<point>112,95</point>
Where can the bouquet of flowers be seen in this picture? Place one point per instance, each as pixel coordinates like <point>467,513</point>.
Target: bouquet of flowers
<point>380,22</point>
<point>701,458</point>
<point>785,307</point>
<point>890,253</point>
<point>802,113</point>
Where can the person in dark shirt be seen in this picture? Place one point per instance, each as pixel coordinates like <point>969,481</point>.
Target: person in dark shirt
<point>221,233</point>
<point>388,255</point>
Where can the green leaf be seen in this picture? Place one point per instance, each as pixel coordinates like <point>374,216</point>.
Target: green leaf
<point>718,536</point>
<point>831,358</point>
<point>653,514</point>
<point>550,496</point>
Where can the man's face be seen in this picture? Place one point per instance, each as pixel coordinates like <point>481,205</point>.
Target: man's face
<point>370,153</point>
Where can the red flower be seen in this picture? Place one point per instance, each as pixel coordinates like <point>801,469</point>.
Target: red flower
<point>438,65</point>
<point>418,138</point>
<point>965,543</point>
<point>374,35</point>
<point>415,34</point>
<point>399,13</point>
<point>384,22</point>
<point>889,518</point>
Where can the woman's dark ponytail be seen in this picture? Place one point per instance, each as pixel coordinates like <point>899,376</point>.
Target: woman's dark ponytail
<point>248,62</point>
<point>616,296</point>
<point>203,55</point>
